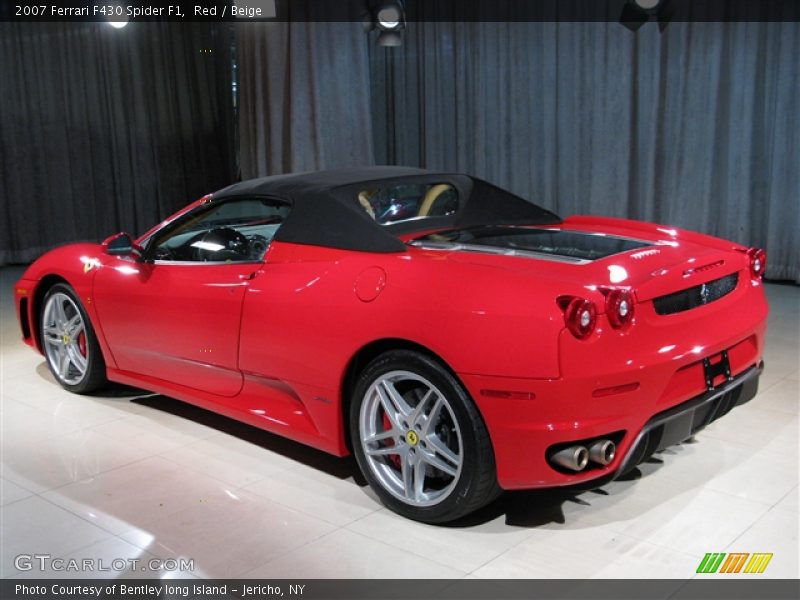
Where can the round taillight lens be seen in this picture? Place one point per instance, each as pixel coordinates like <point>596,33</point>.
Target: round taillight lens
<point>758,261</point>
<point>580,317</point>
<point>619,308</point>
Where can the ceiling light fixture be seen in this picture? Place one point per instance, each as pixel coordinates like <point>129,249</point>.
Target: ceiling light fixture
<point>636,13</point>
<point>117,15</point>
<point>389,18</point>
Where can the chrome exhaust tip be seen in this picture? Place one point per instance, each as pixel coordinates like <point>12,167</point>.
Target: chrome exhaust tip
<point>602,451</point>
<point>574,458</point>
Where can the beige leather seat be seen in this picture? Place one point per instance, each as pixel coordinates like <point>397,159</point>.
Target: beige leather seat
<point>363,200</point>
<point>430,197</point>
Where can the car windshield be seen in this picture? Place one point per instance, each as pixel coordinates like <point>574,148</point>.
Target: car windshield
<point>234,230</point>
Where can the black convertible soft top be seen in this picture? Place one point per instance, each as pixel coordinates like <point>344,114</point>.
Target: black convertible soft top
<point>325,209</point>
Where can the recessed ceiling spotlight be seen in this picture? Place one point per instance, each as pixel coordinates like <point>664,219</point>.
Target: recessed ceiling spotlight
<point>390,19</point>
<point>117,15</point>
<point>390,16</point>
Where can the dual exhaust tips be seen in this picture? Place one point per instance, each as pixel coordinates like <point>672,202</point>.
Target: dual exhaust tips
<point>576,458</point>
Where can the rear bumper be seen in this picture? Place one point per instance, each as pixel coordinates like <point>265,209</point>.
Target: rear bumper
<point>683,421</point>
<point>522,446</point>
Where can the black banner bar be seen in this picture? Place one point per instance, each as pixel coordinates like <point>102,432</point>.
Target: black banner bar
<point>243,11</point>
<point>708,588</point>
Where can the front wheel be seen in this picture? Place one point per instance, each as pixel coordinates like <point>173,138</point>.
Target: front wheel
<point>69,343</point>
<point>419,440</point>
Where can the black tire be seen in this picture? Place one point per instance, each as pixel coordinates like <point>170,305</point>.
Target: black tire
<point>94,376</point>
<point>475,483</point>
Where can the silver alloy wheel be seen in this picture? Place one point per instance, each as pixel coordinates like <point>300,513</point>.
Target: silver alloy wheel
<point>64,336</point>
<point>411,438</point>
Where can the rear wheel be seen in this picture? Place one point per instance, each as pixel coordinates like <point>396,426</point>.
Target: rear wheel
<point>69,343</point>
<point>419,440</point>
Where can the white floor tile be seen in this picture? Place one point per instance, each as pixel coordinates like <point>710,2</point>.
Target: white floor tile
<point>695,520</point>
<point>316,493</point>
<point>48,463</point>
<point>11,492</point>
<point>345,554</point>
<point>789,502</point>
<point>33,526</point>
<point>729,467</point>
<point>615,506</point>
<point>465,548</point>
<point>229,534</point>
<point>48,396</point>
<point>753,426</point>
<point>775,532</point>
<point>135,432</point>
<point>22,422</point>
<point>229,459</point>
<point>593,552</point>
<point>132,496</point>
<point>780,357</point>
<point>783,397</point>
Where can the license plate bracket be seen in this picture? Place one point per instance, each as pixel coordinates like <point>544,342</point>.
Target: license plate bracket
<point>720,368</point>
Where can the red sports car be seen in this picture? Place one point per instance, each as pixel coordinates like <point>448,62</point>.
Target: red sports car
<point>457,339</point>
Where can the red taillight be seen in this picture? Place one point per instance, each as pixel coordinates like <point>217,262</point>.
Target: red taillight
<point>619,308</point>
<point>758,261</point>
<point>580,317</point>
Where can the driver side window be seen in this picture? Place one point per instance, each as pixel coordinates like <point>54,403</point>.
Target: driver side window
<point>227,231</point>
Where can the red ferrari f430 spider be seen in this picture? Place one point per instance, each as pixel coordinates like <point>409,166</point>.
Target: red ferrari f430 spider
<point>455,338</point>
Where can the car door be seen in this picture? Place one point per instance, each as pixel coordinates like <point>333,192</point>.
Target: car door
<point>175,314</point>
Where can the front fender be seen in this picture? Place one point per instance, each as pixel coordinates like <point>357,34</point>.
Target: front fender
<point>76,265</point>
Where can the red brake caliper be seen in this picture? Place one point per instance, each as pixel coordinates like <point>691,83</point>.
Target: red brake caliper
<point>82,343</point>
<point>393,458</point>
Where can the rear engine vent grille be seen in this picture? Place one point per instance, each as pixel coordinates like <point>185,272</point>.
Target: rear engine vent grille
<point>696,296</point>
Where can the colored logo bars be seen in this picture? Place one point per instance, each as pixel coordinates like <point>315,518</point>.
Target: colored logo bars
<point>716,562</point>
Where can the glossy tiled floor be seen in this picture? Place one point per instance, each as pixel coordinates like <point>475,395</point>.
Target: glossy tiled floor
<point>129,475</point>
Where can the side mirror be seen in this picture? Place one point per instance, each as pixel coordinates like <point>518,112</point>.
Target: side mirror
<point>121,244</point>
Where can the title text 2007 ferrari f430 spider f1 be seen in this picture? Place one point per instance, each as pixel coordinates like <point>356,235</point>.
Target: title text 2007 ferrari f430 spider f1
<point>457,339</point>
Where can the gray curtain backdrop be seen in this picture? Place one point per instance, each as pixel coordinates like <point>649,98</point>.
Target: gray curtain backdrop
<point>698,127</point>
<point>304,97</point>
<point>103,130</point>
